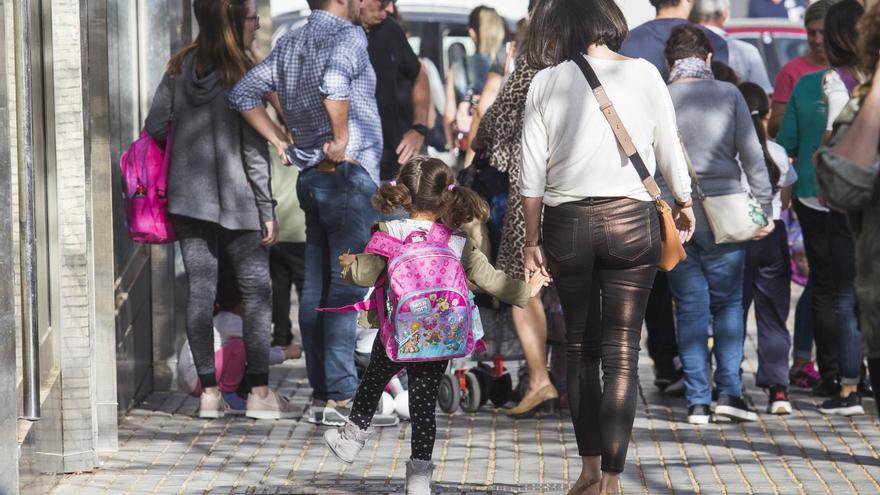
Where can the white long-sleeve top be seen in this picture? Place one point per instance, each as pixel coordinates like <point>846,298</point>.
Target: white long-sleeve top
<point>569,150</point>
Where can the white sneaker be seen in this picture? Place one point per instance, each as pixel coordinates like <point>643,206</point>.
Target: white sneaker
<point>698,414</point>
<point>272,406</point>
<point>347,441</point>
<point>212,406</point>
<point>418,477</point>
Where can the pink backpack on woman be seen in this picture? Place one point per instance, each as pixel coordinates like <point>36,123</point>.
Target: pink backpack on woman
<point>145,185</point>
<point>426,311</point>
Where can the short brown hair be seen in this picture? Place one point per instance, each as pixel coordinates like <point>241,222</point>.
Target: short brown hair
<point>687,41</point>
<point>423,185</point>
<point>562,29</point>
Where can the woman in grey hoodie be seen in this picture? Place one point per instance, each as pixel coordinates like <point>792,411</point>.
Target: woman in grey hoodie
<point>220,196</point>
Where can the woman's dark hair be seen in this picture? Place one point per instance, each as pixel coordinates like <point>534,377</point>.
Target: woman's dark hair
<point>869,41</point>
<point>423,186</point>
<point>724,72</point>
<point>686,41</point>
<point>219,46</point>
<point>759,106</point>
<point>559,30</point>
<point>841,35</point>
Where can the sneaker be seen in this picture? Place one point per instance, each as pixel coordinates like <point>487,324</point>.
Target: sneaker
<point>418,477</point>
<point>698,414</point>
<point>778,402</point>
<point>212,406</point>
<point>237,404</point>
<point>315,413</point>
<point>272,406</point>
<point>804,376</point>
<point>735,408</point>
<point>865,388</point>
<point>385,420</point>
<point>827,387</point>
<point>335,414</point>
<point>347,441</point>
<point>672,385</point>
<point>843,406</point>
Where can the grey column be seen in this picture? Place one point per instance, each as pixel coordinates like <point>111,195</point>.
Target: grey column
<point>8,325</point>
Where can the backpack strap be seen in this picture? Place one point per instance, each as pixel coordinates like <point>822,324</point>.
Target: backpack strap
<point>439,234</point>
<point>383,244</point>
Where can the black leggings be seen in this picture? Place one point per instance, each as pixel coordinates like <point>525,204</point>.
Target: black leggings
<point>602,253</point>
<point>424,380</point>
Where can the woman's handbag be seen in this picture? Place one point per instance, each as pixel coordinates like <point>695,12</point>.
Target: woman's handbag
<point>671,253</point>
<point>733,217</point>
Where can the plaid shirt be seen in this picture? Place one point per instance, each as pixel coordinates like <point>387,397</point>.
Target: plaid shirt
<point>325,59</point>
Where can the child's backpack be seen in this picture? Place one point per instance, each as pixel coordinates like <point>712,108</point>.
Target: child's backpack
<point>426,310</point>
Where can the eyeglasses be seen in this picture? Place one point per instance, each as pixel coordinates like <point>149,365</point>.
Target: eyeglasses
<point>254,18</point>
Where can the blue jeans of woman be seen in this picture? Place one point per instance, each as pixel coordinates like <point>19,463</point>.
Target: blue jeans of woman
<point>843,272</point>
<point>708,285</point>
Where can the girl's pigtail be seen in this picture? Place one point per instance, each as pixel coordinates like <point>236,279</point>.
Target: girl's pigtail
<point>390,197</point>
<point>462,205</point>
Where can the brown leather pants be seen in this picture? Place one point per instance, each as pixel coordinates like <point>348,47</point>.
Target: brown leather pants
<point>602,253</point>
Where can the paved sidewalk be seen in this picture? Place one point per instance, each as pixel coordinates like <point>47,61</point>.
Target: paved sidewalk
<point>165,449</point>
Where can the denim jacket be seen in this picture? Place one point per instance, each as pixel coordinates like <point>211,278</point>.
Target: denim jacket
<point>855,189</point>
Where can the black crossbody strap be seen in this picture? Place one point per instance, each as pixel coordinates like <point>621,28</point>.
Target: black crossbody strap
<point>623,137</point>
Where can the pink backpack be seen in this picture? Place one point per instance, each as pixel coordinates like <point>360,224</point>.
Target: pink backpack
<point>145,185</point>
<point>426,310</point>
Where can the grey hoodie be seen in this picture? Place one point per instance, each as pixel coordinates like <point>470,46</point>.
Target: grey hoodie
<point>219,163</point>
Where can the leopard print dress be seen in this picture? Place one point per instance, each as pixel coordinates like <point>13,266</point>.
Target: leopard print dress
<point>501,128</point>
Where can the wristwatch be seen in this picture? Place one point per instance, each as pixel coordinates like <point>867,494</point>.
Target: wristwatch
<point>534,243</point>
<point>421,129</point>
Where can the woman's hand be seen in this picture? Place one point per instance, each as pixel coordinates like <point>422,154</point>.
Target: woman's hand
<point>765,231</point>
<point>685,222</point>
<point>270,233</point>
<point>534,262</point>
<point>536,282</point>
<point>346,260</point>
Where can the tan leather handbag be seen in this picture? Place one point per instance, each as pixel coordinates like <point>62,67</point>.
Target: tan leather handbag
<point>672,253</point>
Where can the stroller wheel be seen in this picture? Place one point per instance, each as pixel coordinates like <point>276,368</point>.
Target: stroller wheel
<point>484,375</point>
<point>502,390</point>
<point>449,395</point>
<point>472,397</point>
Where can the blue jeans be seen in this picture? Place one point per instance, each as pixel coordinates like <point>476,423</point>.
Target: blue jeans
<point>339,218</point>
<point>709,284</point>
<point>843,273</point>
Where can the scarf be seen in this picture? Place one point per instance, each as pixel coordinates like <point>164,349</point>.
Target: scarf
<point>691,67</point>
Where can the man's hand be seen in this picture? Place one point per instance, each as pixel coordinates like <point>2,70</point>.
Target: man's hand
<point>335,150</point>
<point>270,233</point>
<point>410,146</point>
<point>685,222</point>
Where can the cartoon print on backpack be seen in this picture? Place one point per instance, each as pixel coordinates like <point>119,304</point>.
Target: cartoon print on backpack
<point>412,344</point>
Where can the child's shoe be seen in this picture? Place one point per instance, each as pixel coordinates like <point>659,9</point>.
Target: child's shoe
<point>347,441</point>
<point>272,406</point>
<point>418,477</point>
<point>212,406</point>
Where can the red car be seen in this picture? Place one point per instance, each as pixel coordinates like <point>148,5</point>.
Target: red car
<point>778,40</point>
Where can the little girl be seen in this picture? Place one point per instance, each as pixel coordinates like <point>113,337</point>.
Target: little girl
<point>425,188</point>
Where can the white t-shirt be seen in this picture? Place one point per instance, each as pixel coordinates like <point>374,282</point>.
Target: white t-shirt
<point>569,150</point>
<point>787,175</point>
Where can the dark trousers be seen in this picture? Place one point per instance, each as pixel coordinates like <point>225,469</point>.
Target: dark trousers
<point>660,323</point>
<point>287,267</point>
<point>814,225</point>
<point>767,282</point>
<point>604,248</point>
<point>843,269</point>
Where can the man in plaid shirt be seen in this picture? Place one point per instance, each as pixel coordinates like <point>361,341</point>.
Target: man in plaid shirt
<point>326,86</point>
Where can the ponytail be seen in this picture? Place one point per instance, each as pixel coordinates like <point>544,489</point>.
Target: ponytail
<point>390,197</point>
<point>462,205</point>
<point>772,167</point>
<point>759,106</point>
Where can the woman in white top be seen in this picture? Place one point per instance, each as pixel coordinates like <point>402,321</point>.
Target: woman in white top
<point>600,226</point>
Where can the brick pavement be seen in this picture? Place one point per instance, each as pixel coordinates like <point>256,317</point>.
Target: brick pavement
<point>165,449</point>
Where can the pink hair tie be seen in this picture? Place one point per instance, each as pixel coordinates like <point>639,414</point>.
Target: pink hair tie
<point>392,183</point>
<point>450,187</point>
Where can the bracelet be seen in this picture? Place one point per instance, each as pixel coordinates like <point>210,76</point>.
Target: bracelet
<point>534,243</point>
<point>686,204</point>
<point>421,129</point>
